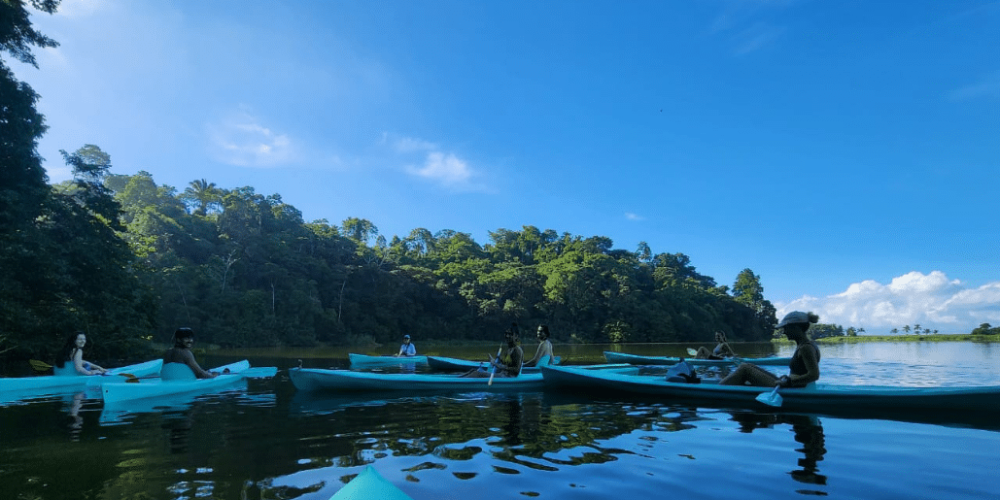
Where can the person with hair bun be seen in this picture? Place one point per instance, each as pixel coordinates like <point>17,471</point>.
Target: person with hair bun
<point>804,367</point>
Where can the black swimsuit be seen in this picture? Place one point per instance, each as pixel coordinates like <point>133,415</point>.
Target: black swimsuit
<point>797,366</point>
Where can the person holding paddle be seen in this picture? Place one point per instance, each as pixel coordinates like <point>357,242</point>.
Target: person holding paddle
<point>543,355</point>
<point>72,352</point>
<point>804,367</point>
<point>722,349</point>
<point>180,357</point>
<point>509,359</point>
<point>407,349</point>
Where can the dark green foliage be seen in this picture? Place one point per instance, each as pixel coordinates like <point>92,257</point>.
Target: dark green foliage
<point>986,329</point>
<point>264,277</point>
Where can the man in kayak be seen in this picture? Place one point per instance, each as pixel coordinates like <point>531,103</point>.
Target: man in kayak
<point>407,349</point>
<point>804,367</point>
<point>509,361</point>
<point>543,355</point>
<point>180,355</point>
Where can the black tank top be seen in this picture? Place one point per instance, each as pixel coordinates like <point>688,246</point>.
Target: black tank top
<point>797,366</point>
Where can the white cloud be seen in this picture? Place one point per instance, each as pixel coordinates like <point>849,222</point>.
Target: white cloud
<point>241,140</point>
<point>438,165</point>
<point>409,145</point>
<point>447,169</point>
<point>632,216</point>
<point>988,87</point>
<point>931,300</point>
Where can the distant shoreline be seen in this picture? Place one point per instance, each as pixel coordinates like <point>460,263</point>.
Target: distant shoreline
<point>961,337</point>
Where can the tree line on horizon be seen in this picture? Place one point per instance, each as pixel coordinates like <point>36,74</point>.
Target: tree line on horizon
<point>127,261</point>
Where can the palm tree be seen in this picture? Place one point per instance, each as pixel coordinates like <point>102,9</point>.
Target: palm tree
<point>203,192</point>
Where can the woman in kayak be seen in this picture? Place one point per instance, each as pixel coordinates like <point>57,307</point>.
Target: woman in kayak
<point>543,355</point>
<point>804,367</point>
<point>721,351</point>
<point>508,364</point>
<point>72,352</point>
<point>180,355</point>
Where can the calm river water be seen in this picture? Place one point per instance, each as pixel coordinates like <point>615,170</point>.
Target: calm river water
<point>267,441</point>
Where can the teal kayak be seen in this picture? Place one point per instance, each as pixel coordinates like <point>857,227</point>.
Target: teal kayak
<point>370,485</point>
<point>635,359</point>
<point>153,388</point>
<point>318,379</point>
<point>366,361</point>
<point>444,364</point>
<point>44,385</point>
<point>817,397</point>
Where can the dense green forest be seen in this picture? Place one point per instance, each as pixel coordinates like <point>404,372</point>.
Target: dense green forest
<point>127,261</point>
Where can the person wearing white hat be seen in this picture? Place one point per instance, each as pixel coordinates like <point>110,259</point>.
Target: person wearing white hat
<point>407,349</point>
<point>804,367</point>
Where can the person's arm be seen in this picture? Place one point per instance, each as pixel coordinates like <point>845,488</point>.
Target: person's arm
<point>538,355</point>
<point>810,357</point>
<point>193,365</point>
<point>411,350</point>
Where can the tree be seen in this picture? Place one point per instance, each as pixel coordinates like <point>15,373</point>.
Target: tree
<point>748,291</point>
<point>359,230</point>
<point>906,329</point>
<point>202,194</point>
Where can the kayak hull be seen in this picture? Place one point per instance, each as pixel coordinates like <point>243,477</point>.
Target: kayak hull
<point>820,397</point>
<point>635,359</point>
<point>45,385</point>
<point>315,379</point>
<point>156,388</point>
<point>369,485</point>
<point>366,361</point>
<point>444,364</point>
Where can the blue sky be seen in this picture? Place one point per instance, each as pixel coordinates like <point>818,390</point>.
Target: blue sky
<point>847,152</point>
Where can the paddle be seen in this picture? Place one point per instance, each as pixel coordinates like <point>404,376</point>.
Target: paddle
<point>39,366</point>
<point>770,398</point>
<point>494,363</point>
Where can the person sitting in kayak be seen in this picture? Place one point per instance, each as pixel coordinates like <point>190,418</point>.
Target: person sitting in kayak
<point>543,355</point>
<point>508,363</point>
<point>407,349</point>
<point>721,351</point>
<point>72,353</point>
<point>804,367</point>
<point>180,356</point>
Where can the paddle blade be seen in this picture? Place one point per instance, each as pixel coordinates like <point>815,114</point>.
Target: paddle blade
<point>692,352</point>
<point>39,366</point>
<point>770,398</point>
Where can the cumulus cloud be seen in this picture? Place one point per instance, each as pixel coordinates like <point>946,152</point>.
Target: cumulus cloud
<point>241,140</point>
<point>447,169</point>
<point>438,166</point>
<point>931,300</point>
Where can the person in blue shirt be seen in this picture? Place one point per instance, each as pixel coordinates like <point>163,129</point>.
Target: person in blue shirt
<point>407,349</point>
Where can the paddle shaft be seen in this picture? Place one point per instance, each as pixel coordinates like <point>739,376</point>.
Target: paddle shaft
<point>494,363</point>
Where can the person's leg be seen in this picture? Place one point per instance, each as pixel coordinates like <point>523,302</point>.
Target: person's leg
<point>752,374</point>
<point>703,353</point>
